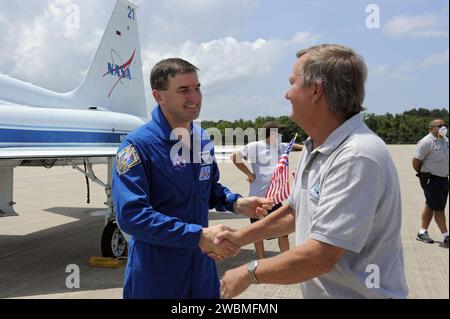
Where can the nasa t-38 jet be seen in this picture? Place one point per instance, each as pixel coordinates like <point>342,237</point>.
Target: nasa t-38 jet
<point>39,127</point>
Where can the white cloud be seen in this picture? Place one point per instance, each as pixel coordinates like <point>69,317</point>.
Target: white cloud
<point>39,41</point>
<point>242,69</point>
<point>47,48</point>
<point>43,50</point>
<point>227,39</point>
<point>3,20</point>
<point>316,3</point>
<point>6,41</point>
<point>404,71</point>
<point>175,21</point>
<point>226,59</point>
<point>205,6</point>
<point>248,105</point>
<point>408,69</point>
<point>382,69</point>
<point>439,58</point>
<point>426,25</point>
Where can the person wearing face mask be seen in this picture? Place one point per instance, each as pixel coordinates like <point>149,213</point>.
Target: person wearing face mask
<point>431,164</point>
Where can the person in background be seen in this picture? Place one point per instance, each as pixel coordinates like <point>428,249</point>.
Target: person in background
<point>263,156</point>
<point>431,164</point>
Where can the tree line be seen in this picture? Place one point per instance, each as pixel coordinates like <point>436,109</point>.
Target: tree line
<point>405,128</point>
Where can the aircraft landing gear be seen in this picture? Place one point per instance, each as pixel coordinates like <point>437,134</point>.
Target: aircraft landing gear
<point>113,242</point>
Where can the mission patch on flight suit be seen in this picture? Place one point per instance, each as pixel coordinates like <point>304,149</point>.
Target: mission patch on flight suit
<point>126,159</point>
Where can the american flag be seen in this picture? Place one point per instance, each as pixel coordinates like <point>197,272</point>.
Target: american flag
<point>279,186</point>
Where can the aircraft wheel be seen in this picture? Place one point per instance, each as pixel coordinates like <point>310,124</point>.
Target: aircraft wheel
<point>113,242</point>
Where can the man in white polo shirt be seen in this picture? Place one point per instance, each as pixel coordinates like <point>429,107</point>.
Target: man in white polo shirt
<point>345,206</point>
<point>431,164</point>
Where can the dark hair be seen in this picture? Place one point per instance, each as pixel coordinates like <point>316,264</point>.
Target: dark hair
<point>159,77</point>
<point>269,126</point>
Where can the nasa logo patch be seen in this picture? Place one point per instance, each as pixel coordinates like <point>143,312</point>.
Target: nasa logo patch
<point>126,159</point>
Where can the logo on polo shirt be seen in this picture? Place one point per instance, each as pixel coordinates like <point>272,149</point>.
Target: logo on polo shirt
<point>315,190</point>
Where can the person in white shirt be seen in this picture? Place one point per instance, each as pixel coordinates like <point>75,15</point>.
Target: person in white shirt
<point>345,206</point>
<point>431,164</point>
<point>263,156</point>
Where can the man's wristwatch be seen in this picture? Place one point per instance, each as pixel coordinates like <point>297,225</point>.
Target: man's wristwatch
<point>251,267</point>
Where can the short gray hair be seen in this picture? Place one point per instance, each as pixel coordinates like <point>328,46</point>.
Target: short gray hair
<point>342,72</point>
<point>159,77</point>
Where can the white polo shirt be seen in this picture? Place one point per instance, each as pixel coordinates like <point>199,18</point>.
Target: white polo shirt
<point>433,153</point>
<point>347,194</point>
<point>264,159</point>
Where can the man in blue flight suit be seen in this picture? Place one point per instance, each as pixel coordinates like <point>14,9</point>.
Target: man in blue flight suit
<point>164,183</point>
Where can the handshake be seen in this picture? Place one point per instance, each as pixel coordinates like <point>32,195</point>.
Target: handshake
<point>219,242</point>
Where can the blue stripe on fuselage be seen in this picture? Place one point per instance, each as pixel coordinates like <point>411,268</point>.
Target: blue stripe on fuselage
<point>45,136</point>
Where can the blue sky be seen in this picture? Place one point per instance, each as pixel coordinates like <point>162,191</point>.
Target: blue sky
<point>244,48</point>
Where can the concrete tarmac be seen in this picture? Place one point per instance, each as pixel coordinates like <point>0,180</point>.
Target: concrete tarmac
<point>55,229</point>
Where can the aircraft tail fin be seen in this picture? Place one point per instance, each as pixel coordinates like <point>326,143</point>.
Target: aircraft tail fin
<point>114,80</point>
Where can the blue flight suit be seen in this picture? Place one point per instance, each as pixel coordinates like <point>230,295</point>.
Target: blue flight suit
<point>163,204</point>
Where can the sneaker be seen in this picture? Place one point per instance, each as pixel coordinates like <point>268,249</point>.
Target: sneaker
<point>424,238</point>
<point>445,242</point>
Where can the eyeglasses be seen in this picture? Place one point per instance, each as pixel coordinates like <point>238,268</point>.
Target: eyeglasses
<point>439,126</point>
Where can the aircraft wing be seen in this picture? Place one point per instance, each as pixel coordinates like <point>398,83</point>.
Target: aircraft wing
<point>222,153</point>
<point>56,152</point>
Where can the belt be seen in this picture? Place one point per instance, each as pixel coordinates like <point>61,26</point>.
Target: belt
<point>429,175</point>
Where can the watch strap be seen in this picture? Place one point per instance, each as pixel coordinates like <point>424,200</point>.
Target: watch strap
<point>251,272</point>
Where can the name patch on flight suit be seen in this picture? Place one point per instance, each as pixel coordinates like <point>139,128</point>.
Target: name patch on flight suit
<point>126,159</point>
<point>205,173</point>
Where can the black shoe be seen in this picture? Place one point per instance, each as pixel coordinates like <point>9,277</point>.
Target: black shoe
<point>445,242</point>
<point>425,238</point>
